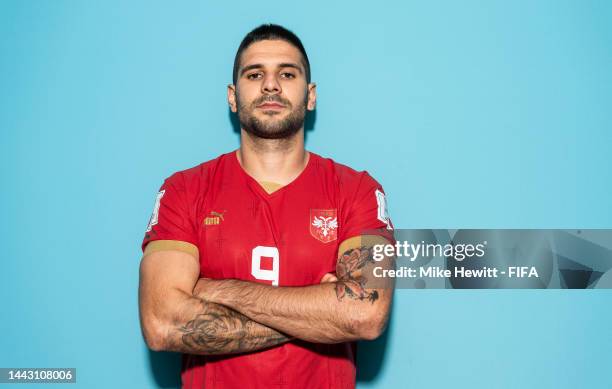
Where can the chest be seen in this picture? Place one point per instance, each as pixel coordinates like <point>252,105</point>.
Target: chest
<point>288,239</point>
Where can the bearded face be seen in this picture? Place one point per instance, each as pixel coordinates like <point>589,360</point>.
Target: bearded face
<point>271,93</point>
<point>271,116</point>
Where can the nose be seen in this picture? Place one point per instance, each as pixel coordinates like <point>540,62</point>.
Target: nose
<point>270,85</point>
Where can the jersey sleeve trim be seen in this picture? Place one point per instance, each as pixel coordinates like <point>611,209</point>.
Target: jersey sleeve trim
<point>178,245</point>
<point>361,241</point>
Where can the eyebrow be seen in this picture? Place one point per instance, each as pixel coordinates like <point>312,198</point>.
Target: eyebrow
<point>281,65</point>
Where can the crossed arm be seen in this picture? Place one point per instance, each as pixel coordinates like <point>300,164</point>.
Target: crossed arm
<point>173,319</point>
<point>181,313</point>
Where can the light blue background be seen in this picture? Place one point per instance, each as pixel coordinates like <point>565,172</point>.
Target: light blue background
<point>491,114</point>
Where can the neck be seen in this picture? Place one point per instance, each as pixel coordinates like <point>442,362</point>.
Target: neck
<point>272,160</point>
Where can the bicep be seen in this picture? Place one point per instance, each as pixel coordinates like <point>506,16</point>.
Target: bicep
<point>166,272</point>
<point>356,269</point>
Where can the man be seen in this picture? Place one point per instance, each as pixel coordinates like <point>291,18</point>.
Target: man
<point>256,263</point>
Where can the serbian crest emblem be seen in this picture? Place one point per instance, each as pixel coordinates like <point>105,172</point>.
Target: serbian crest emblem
<point>324,224</point>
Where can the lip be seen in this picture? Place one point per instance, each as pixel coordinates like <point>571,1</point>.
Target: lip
<point>271,106</point>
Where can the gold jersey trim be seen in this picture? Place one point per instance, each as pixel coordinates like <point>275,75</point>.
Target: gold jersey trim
<point>360,241</point>
<point>270,187</point>
<point>178,245</point>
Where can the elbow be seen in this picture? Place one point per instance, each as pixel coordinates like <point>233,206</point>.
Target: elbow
<point>154,336</point>
<point>372,326</point>
<point>155,343</point>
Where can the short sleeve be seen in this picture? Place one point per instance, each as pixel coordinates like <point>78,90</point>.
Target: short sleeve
<point>171,218</point>
<point>367,211</point>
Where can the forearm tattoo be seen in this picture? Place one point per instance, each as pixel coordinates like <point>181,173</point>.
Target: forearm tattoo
<point>351,280</point>
<point>220,330</point>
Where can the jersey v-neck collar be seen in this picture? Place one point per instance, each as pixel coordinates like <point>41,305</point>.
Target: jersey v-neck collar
<point>257,187</point>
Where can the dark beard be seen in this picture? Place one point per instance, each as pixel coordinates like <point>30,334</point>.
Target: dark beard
<point>283,129</point>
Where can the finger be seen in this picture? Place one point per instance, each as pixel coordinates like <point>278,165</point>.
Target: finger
<point>329,277</point>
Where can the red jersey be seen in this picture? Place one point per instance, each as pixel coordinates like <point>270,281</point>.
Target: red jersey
<point>289,237</point>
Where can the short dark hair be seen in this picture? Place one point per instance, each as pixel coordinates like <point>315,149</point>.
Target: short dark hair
<point>270,32</point>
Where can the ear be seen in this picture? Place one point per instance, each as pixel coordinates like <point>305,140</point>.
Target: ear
<point>231,97</point>
<point>312,96</point>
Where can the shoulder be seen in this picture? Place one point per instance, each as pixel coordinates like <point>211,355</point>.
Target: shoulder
<point>347,177</point>
<point>197,176</point>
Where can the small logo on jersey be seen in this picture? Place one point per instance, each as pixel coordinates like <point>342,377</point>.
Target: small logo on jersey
<point>155,215</point>
<point>214,218</point>
<point>324,224</point>
<point>383,213</point>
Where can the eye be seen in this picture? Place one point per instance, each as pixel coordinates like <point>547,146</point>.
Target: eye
<point>288,75</point>
<point>253,76</point>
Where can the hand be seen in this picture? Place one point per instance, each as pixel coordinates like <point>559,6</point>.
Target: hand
<point>329,277</point>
